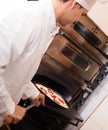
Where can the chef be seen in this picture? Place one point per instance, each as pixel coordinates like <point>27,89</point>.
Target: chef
<point>26,30</point>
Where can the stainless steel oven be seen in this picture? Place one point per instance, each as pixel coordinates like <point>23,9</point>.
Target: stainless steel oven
<point>68,70</point>
<point>73,66</point>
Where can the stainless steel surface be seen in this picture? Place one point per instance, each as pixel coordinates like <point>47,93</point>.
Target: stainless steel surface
<point>87,22</point>
<point>71,57</point>
<point>92,26</point>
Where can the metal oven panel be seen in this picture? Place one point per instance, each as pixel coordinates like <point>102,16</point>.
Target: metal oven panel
<point>72,58</point>
<point>83,43</point>
<point>91,27</point>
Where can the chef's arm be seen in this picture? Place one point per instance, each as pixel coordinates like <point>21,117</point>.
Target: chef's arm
<point>7,105</point>
<point>31,91</point>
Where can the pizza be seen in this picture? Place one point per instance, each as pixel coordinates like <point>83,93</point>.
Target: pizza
<point>55,97</point>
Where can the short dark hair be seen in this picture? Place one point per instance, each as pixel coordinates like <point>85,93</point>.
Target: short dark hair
<point>80,5</point>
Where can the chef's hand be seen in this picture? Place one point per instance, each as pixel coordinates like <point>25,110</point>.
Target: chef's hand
<point>18,114</point>
<point>39,100</point>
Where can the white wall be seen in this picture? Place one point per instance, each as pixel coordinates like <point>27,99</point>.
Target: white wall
<point>99,14</point>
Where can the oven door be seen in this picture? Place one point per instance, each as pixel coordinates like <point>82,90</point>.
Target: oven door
<point>65,53</point>
<point>92,27</point>
<point>96,48</point>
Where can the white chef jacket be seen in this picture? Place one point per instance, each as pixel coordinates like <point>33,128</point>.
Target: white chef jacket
<point>26,30</point>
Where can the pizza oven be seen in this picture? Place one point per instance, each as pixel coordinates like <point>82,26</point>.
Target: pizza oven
<point>70,70</point>
<point>73,66</point>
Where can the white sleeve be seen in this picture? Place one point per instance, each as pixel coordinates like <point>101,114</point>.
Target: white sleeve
<point>7,105</point>
<point>31,91</point>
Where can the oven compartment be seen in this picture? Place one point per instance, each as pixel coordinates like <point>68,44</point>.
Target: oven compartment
<point>91,37</point>
<point>101,37</point>
<point>69,86</point>
<point>97,54</point>
<point>64,52</point>
<point>92,26</point>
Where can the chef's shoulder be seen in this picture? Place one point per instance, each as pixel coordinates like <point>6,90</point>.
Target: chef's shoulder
<point>11,7</point>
